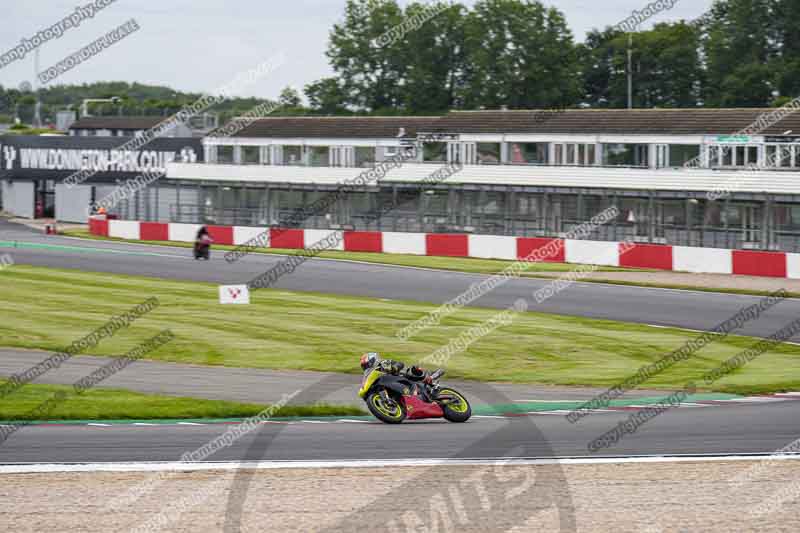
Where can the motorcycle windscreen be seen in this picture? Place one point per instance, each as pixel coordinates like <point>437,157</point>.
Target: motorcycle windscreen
<point>370,376</point>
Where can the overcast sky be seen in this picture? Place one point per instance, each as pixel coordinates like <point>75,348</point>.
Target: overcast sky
<point>198,45</point>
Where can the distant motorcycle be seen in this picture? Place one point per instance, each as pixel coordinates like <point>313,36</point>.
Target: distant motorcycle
<point>202,248</point>
<point>393,397</point>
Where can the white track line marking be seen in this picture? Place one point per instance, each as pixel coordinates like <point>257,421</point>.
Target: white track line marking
<point>102,249</point>
<point>377,463</point>
<point>99,425</point>
<point>144,424</point>
<point>751,400</point>
<point>348,421</point>
<point>550,401</point>
<point>189,424</point>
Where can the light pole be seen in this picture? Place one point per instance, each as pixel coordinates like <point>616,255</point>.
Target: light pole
<point>37,115</point>
<point>630,70</point>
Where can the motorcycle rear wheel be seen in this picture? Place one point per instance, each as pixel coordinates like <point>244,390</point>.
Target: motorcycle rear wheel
<point>393,413</point>
<point>458,411</point>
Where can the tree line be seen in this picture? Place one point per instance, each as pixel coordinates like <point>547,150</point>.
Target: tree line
<point>136,99</point>
<point>518,54</point>
<point>522,54</point>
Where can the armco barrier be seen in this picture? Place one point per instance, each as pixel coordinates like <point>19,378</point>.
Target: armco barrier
<point>221,234</point>
<point>243,235</point>
<point>592,252</point>
<point>647,256</point>
<point>363,241</point>
<point>124,229</point>
<point>526,246</point>
<point>183,232</point>
<point>98,226</point>
<point>290,239</point>
<point>793,266</point>
<point>154,231</point>
<point>702,260</point>
<point>650,256</point>
<point>750,263</point>
<point>446,245</point>
<point>330,239</point>
<point>405,243</point>
<point>493,247</point>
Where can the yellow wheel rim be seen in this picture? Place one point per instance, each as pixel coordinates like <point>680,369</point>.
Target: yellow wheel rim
<point>460,405</point>
<point>378,403</point>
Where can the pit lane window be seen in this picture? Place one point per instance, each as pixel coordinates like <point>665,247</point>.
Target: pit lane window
<point>251,155</point>
<point>225,155</point>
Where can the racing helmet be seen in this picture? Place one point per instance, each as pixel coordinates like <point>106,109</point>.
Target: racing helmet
<point>368,360</point>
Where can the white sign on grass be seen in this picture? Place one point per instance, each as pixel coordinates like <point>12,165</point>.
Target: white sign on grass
<point>234,294</point>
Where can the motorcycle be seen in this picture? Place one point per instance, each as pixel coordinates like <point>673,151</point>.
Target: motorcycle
<point>202,248</point>
<point>393,398</point>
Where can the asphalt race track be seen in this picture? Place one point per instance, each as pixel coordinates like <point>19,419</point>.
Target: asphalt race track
<point>758,428</point>
<point>685,309</point>
<point>752,428</point>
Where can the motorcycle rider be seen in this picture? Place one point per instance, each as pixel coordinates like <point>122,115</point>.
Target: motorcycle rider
<point>415,373</point>
<point>202,243</point>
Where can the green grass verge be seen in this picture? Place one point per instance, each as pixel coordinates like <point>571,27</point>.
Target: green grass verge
<point>114,404</point>
<point>457,264</point>
<point>49,308</point>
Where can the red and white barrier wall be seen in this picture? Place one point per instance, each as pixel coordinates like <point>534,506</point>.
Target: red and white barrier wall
<point>650,256</point>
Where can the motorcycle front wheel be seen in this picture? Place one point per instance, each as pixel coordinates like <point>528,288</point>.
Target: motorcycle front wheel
<point>391,412</point>
<point>456,408</point>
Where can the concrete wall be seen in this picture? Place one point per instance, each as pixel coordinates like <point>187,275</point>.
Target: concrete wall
<point>658,257</point>
<point>703,260</point>
<point>592,253</point>
<point>493,247</point>
<point>72,202</point>
<point>18,198</point>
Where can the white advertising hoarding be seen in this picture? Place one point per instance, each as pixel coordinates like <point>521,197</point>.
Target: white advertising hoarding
<point>234,295</point>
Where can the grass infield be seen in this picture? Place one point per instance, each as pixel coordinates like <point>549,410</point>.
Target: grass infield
<point>115,404</point>
<point>49,308</point>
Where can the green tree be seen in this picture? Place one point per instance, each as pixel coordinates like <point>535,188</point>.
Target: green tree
<point>785,17</point>
<point>371,74</point>
<point>666,65</point>
<point>290,98</point>
<point>737,45</point>
<point>599,60</point>
<point>327,97</point>
<point>433,57</point>
<point>521,55</point>
<point>748,86</point>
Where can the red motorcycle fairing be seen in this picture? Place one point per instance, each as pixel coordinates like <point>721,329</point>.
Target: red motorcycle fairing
<point>417,408</point>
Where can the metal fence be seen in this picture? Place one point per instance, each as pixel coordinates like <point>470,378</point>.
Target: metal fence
<point>760,224</point>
